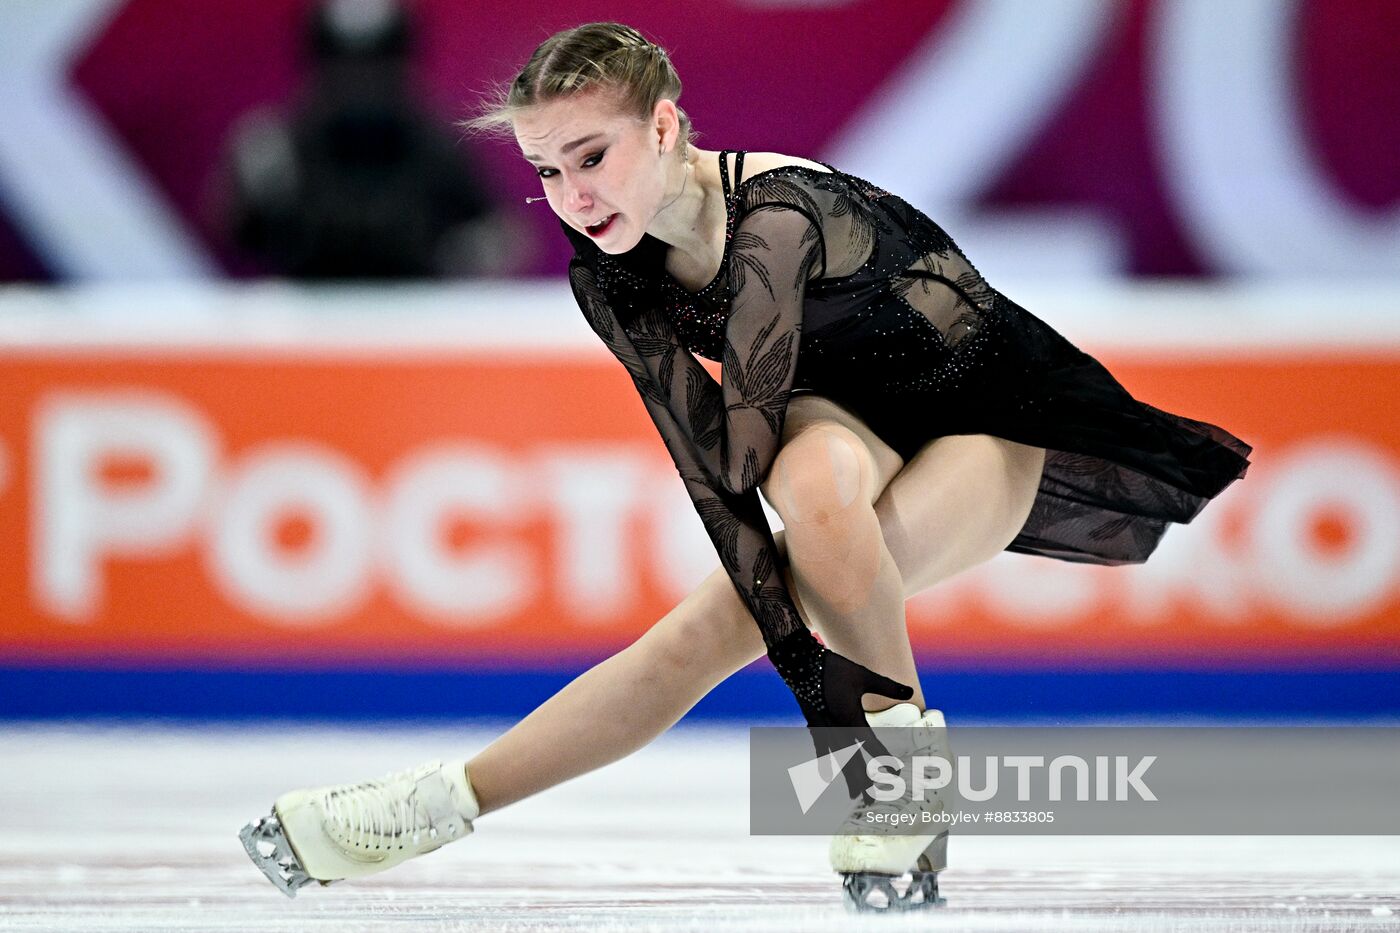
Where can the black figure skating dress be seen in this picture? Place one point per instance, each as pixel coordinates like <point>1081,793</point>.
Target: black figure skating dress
<point>832,285</point>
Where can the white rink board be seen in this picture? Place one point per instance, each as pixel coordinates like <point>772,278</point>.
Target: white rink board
<point>539,319</point>
<point>134,827</point>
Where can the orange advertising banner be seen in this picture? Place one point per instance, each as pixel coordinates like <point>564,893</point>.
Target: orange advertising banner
<point>190,501</point>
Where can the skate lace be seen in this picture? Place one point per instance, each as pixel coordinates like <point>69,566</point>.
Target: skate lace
<point>379,813</point>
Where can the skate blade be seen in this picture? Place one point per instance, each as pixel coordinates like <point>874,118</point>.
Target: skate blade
<point>267,845</point>
<point>867,892</point>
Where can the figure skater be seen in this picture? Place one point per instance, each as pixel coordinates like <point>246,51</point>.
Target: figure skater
<point>905,419</point>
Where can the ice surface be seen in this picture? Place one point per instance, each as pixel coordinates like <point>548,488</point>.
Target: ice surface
<point>134,827</point>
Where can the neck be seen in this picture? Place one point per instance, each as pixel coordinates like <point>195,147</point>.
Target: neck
<point>693,215</point>
<point>686,172</point>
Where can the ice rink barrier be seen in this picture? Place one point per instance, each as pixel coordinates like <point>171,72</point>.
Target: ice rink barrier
<point>329,488</point>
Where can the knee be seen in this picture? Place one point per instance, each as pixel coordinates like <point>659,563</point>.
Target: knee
<point>819,475</point>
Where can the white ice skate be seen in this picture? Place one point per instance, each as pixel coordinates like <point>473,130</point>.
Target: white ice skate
<point>351,830</point>
<point>896,871</point>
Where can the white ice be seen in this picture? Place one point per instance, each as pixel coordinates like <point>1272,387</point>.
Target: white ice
<point>134,827</point>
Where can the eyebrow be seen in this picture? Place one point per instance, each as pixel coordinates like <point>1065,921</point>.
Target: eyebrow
<point>567,147</point>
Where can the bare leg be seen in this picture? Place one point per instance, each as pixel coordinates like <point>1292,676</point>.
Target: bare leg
<point>824,484</point>
<point>825,481</point>
<point>623,703</point>
<point>944,512</point>
<point>958,502</point>
<point>620,705</point>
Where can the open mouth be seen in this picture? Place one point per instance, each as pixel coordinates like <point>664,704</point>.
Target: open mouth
<point>601,226</point>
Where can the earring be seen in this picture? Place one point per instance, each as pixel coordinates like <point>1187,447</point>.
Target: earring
<point>543,197</point>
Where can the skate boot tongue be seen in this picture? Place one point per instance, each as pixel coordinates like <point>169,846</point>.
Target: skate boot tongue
<point>412,808</point>
<point>901,714</point>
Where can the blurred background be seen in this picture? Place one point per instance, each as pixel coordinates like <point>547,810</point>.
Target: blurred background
<point>298,417</point>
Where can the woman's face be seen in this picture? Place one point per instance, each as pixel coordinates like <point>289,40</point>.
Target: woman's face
<point>595,164</point>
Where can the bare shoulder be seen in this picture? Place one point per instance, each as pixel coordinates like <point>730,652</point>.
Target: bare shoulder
<point>755,162</point>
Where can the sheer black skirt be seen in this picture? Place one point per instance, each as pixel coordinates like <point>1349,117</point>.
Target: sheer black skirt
<point>1118,471</point>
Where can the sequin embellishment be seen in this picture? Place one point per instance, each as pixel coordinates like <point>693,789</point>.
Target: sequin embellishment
<point>701,317</point>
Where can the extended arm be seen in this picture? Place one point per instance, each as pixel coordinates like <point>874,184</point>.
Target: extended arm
<point>736,426</point>
<point>828,687</point>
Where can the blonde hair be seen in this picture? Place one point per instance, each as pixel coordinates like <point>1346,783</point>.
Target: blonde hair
<point>611,56</point>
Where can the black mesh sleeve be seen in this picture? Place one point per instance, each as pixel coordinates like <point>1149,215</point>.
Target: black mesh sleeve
<point>724,436</point>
